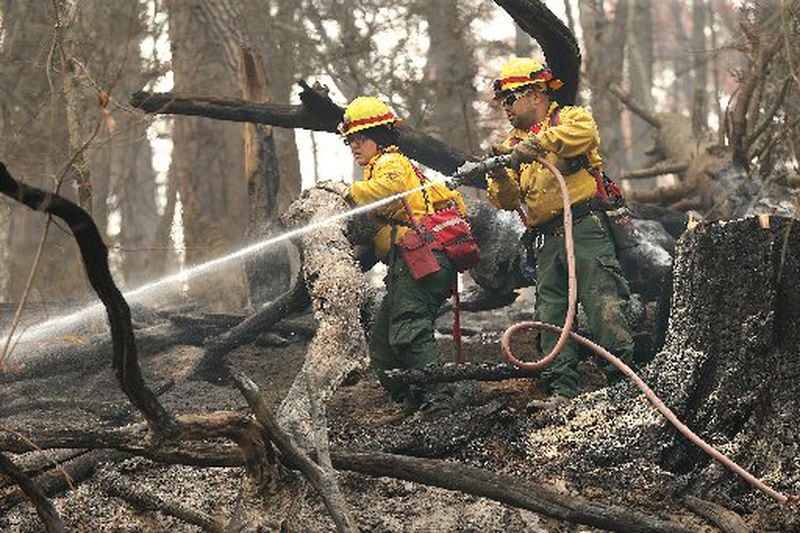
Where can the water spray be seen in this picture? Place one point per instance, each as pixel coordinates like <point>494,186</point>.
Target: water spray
<point>61,323</point>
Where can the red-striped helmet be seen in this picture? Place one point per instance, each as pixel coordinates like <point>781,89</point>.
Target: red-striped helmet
<point>366,112</point>
<point>521,72</point>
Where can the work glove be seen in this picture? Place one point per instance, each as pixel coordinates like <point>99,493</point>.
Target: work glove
<point>501,149</point>
<point>337,187</point>
<point>500,173</point>
<point>527,151</point>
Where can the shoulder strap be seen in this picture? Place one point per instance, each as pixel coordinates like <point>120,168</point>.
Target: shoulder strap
<point>422,180</point>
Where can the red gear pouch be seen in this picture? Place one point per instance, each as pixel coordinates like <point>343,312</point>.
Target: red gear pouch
<point>417,250</point>
<point>452,233</point>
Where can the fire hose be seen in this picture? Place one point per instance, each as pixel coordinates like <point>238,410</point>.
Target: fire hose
<point>567,334</point>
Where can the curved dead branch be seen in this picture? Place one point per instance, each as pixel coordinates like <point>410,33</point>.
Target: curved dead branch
<point>510,490</point>
<point>317,112</point>
<point>561,50</point>
<point>209,365</point>
<point>322,480</point>
<point>95,259</point>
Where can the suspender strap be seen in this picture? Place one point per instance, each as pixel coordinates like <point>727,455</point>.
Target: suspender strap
<point>457,323</point>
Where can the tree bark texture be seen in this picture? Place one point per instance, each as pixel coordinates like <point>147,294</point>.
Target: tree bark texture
<point>449,70</point>
<point>206,158</point>
<point>605,46</point>
<point>70,87</point>
<point>269,274</point>
<point>338,292</point>
<point>640,68</point>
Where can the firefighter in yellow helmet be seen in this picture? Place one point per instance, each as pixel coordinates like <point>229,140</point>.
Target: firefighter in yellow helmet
<point>567,137</point>
<point>402,334</point>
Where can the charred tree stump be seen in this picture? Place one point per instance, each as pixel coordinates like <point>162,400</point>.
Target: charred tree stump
<point>729,370</point>
<point>338,292</point>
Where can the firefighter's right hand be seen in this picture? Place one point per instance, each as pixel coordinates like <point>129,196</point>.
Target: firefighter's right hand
<point>527,151</point>
<point>501,149</point>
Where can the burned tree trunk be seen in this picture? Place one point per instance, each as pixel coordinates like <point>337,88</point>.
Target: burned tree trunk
<point>338,291</point>
<point>269,275</point>
<point>729,370</point>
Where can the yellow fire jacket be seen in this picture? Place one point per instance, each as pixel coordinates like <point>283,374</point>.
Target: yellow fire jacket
<point>573,135</point>
<point>390,173</point>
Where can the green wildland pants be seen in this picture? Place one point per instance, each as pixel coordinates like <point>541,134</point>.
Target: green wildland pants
<point>402,335</point>
<point>602,290</point>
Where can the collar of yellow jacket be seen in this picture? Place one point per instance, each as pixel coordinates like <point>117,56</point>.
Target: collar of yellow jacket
<point>545,122</point>
<point>371,163</point>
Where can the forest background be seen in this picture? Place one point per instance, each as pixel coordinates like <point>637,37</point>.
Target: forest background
<point>167,192</point>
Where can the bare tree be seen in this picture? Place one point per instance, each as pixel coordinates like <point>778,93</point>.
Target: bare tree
<point>604,44</point>
<point>640,73</point>
<point>449,73</point>
<point>121,156</point>
<point>206,161</point>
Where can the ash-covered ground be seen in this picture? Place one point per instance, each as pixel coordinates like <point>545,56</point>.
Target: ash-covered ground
<point>729,368</point>
<point>485,426</point>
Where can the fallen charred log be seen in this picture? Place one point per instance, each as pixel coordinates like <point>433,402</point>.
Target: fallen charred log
<point>93,355</point>
<point>310,115</point>
<point>210,365</point>
<point>116,486</point>
<point>453,372</point>
<point>44,508</point>
<point>64,475</point>
<point>506,489</point>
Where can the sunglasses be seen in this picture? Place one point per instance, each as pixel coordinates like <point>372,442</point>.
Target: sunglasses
<point>355,138</point>
<point>509,99</point>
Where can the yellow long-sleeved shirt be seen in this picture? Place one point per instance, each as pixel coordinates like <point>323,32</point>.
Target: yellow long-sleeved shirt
<point>573,135</point>
<point>390,173</point>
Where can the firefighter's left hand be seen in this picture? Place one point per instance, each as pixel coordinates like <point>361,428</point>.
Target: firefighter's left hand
<point>337,187</point>
<point>527,151</point>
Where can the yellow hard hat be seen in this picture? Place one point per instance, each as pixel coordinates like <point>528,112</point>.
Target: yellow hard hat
<point>366,112</point>
<point>522,71</point>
